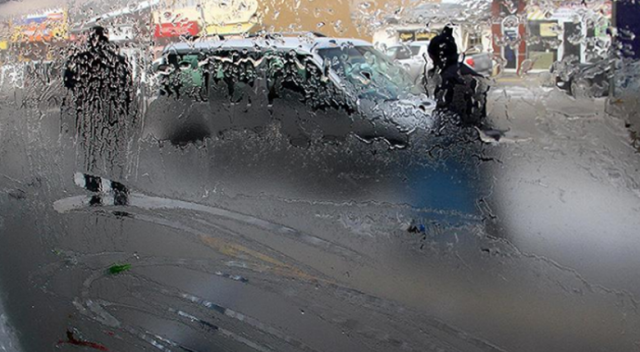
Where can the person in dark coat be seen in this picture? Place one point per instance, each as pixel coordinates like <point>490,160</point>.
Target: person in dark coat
<point>100,82</point>
<point>460,89</point>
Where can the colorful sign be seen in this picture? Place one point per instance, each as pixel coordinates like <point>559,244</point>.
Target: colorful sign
<point>167,30</point>
<point>43,27</point>
<point>229,16</point>
<point>410,36</point>
<point>548,29</point>
<point>177,22</point>
<point>407,36</point>
<point>210,17</point>
<point>425,35</point>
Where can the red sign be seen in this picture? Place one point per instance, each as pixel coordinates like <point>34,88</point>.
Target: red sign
<point>164,30</point>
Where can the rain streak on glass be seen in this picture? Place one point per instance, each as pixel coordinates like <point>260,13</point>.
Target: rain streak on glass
<point>340,175</point>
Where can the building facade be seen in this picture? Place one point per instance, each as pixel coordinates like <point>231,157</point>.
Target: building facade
<point>525,31</point>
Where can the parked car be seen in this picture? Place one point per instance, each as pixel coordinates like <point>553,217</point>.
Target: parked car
<point>413,58</point>
<point>311,86</point>
<point>479,62</point>
<point>582,79</point>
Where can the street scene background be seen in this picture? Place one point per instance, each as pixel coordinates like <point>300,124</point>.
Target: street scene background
<point>517,235</point>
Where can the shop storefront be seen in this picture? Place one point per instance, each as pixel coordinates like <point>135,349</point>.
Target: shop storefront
<point>542,46</point>
<point>397,34</point>
<point>508,33</point>
<point>570,32</point>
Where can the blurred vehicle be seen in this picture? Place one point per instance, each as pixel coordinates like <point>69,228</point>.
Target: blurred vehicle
<point>311,86</point>
<point>586,79</point>
<point>413,57</point>
<point>480,62</point>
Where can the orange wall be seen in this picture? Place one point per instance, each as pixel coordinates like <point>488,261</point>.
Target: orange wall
<point>339,18</point>
<point>336,18</point>
<point>331,17</point>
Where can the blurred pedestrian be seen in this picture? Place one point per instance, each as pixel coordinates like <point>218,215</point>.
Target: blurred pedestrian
<point>101,85</point>
<point>459,89</point>
<point>100,82</point>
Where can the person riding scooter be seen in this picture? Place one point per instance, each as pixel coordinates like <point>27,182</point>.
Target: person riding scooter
<point>459,89</point>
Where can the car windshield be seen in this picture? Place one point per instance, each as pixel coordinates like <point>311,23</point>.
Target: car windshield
<point>368,71</point>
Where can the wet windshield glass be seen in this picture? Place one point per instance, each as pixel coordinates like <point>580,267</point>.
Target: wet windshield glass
<point>319,175</point>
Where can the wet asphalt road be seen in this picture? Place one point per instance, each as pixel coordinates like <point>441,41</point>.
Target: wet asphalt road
<point>247,243</point>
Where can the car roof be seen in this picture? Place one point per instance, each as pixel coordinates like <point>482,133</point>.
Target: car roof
<point>300,43</point>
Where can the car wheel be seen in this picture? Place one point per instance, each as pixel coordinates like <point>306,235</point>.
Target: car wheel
<point>562,85</point>
<point>576,90</point>
<point>600,90</point>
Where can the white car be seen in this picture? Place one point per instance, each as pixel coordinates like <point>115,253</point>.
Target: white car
<point>313,86</point>
<point>413,57</point>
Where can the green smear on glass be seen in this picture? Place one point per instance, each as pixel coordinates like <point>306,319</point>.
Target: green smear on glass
<point>118,268</point>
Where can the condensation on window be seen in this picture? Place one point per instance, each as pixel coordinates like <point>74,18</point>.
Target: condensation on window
<point>341,175</point>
